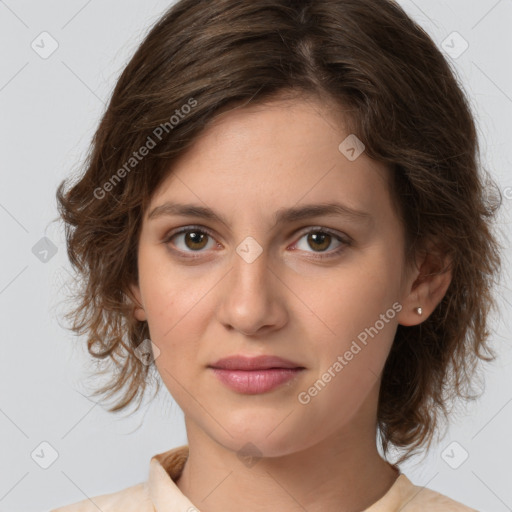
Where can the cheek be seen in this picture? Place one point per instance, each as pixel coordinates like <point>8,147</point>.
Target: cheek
<point>174,318</point>
<point>356,315</point>
<point>175,305</point>
<point>357,294</point>
<point>167,294</point>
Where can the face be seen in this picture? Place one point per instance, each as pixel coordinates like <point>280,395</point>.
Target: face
<point>322,290</point>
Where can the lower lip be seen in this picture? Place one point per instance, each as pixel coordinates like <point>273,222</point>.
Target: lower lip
<point>253,382</point>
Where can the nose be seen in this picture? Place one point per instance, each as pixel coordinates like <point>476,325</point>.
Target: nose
<point>253,297</point>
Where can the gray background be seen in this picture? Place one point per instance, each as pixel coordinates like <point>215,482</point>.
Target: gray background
<point>49,109</point>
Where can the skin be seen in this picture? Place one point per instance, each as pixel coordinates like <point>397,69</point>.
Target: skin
<point>249,163</point>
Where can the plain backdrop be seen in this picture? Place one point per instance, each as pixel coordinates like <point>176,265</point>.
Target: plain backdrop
<point>57,445</point>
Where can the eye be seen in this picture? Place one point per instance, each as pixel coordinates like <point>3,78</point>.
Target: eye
<point>190,239</point>
<point>321,239</point>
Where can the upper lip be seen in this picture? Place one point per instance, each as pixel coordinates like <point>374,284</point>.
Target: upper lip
<point>253,363</point>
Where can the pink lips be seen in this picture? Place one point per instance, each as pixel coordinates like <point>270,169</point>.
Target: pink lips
<point>255,375</point>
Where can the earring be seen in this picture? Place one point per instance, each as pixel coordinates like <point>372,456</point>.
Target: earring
<point>419,310</point>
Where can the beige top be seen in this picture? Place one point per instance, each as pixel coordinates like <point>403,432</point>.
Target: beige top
<point>161,494</point>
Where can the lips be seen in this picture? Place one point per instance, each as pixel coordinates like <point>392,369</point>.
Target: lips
<point>255,375</point>
<point>253,363</point>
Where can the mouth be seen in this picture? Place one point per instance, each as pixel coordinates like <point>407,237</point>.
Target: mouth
<point>255,375</point>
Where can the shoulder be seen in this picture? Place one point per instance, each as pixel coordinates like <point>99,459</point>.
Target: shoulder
<point>417,499</point>
<point>134,498</point>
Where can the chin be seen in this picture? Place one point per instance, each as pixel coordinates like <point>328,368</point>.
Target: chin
<point>265,436</point>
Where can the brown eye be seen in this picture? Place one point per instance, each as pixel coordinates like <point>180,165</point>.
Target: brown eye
<point>195,240</point>
<point>190,240</point>
<point>319,240</point>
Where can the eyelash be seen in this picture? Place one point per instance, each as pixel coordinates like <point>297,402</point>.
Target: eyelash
<point>317,230</point>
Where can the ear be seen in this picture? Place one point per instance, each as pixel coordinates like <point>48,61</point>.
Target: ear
<point>425,285</point>
<point>136,296</point>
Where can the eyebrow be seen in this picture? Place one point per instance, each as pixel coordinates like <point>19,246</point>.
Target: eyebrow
<point>282,216</point>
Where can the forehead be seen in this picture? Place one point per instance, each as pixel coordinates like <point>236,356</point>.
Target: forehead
<point>289,128</point>
<point>269,156</point>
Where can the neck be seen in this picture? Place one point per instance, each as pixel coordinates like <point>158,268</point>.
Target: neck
<point>343,473</point>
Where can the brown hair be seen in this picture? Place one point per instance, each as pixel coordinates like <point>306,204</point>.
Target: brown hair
<point>205,56</point>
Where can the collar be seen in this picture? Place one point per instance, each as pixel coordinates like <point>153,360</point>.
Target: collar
<point>166,468</point>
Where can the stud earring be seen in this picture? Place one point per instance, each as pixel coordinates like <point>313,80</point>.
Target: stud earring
<point>419,310</point>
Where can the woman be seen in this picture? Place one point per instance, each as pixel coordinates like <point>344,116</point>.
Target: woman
<point>283,213</point>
